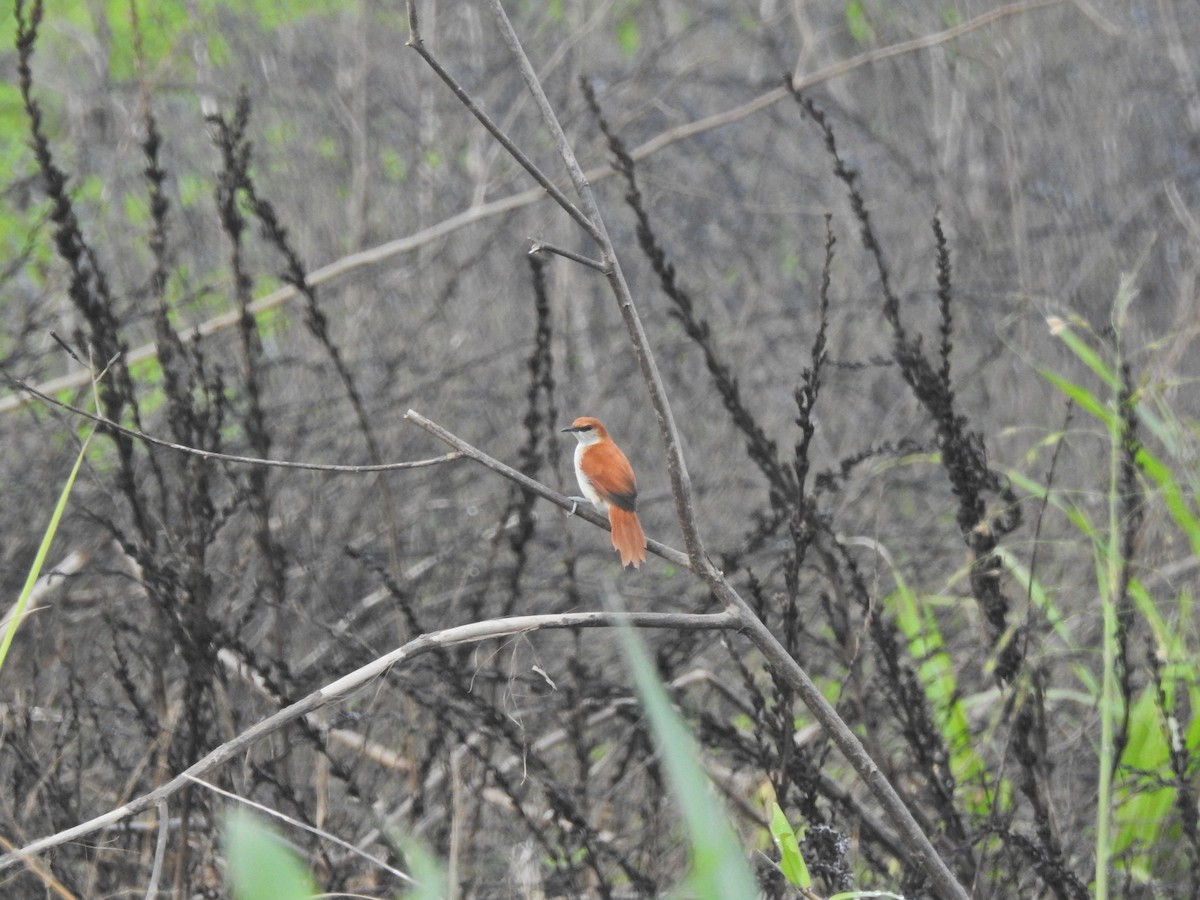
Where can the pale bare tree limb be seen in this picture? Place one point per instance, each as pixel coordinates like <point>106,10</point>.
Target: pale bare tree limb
<point>344,687</point>
<point>834,70</point>
<point>681,489</point>
<point>160,850</point>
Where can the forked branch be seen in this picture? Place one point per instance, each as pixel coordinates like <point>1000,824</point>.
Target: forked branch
<point>785,667</point>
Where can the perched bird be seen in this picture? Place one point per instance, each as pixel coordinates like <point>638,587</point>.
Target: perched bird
<point>606,479</point>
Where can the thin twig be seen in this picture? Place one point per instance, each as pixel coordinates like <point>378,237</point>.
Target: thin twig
<point>232,458</point>
<point>160,850</point>
<point>536,246</point>
<point>42,872</point>
<point>509,35</point>
<point>417,43</point>
<point>343,687</point>
<point>834,70</point>
<point>296,823</point>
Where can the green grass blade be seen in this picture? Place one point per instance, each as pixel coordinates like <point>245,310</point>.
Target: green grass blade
<point>719,870</point>
<point>1084,399</point>
<point>1173,496</point>
<point>916,621</point>
<point>1089,357</point>
<point>791,860</point>
<point>39,558</point>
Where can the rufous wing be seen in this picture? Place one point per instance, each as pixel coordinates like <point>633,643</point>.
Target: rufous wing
<point>611,475</point>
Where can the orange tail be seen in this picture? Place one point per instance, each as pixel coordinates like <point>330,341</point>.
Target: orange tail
<point>627,536</point>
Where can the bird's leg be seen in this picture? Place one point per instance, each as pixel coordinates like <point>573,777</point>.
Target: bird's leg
<point>575,501</point>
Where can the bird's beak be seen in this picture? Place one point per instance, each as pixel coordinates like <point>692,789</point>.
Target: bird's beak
<point>569,428</point>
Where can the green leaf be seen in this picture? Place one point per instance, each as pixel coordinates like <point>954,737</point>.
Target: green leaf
<point>629,37</point>
<point>791,861</point>
<point>328,148</point>
<point>137,207</point>
<point>393,165</point>
<point>39,559</point>
<point>1173,496</point>
<point>1144,802</point>
<point>260,866</point>
<point>915,619</point>
<point>856,21</point>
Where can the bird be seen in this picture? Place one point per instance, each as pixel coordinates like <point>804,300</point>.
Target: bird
<point>607,480</point>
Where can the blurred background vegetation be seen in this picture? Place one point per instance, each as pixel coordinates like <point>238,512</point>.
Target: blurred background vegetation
<point>1058,144</point>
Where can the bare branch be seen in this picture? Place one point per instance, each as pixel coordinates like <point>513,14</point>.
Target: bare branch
<point>782,663</point>
<point>343,687</point>
<point>232,458</point>
<point>536,246</point>
<point>311,829</point>
<point>418,44</point>
<point>834,70</point>
<point>160,850</point>
<point>681,485</point>
<point>542,102</point>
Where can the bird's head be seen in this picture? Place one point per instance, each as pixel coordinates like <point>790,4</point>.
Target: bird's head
<point>587,430</point>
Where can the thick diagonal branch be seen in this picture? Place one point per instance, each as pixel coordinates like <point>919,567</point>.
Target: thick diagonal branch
<point>785,667</point>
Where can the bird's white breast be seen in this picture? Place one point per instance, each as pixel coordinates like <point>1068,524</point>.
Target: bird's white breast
<point>585,483</point>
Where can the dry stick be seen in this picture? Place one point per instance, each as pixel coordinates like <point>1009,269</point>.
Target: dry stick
<point>667,553</point>
<point>160,850</point>
<point>41,871</point>
<point>303,826</point>
<point>834,70</point>
<point>786,668</point>
<point>409,243</point>
<point>436,778</point>
<point>343,687</point>
<point>415,41</point>
<point>232,458</point>
<point>536,246</point>
<point>479,631</point>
